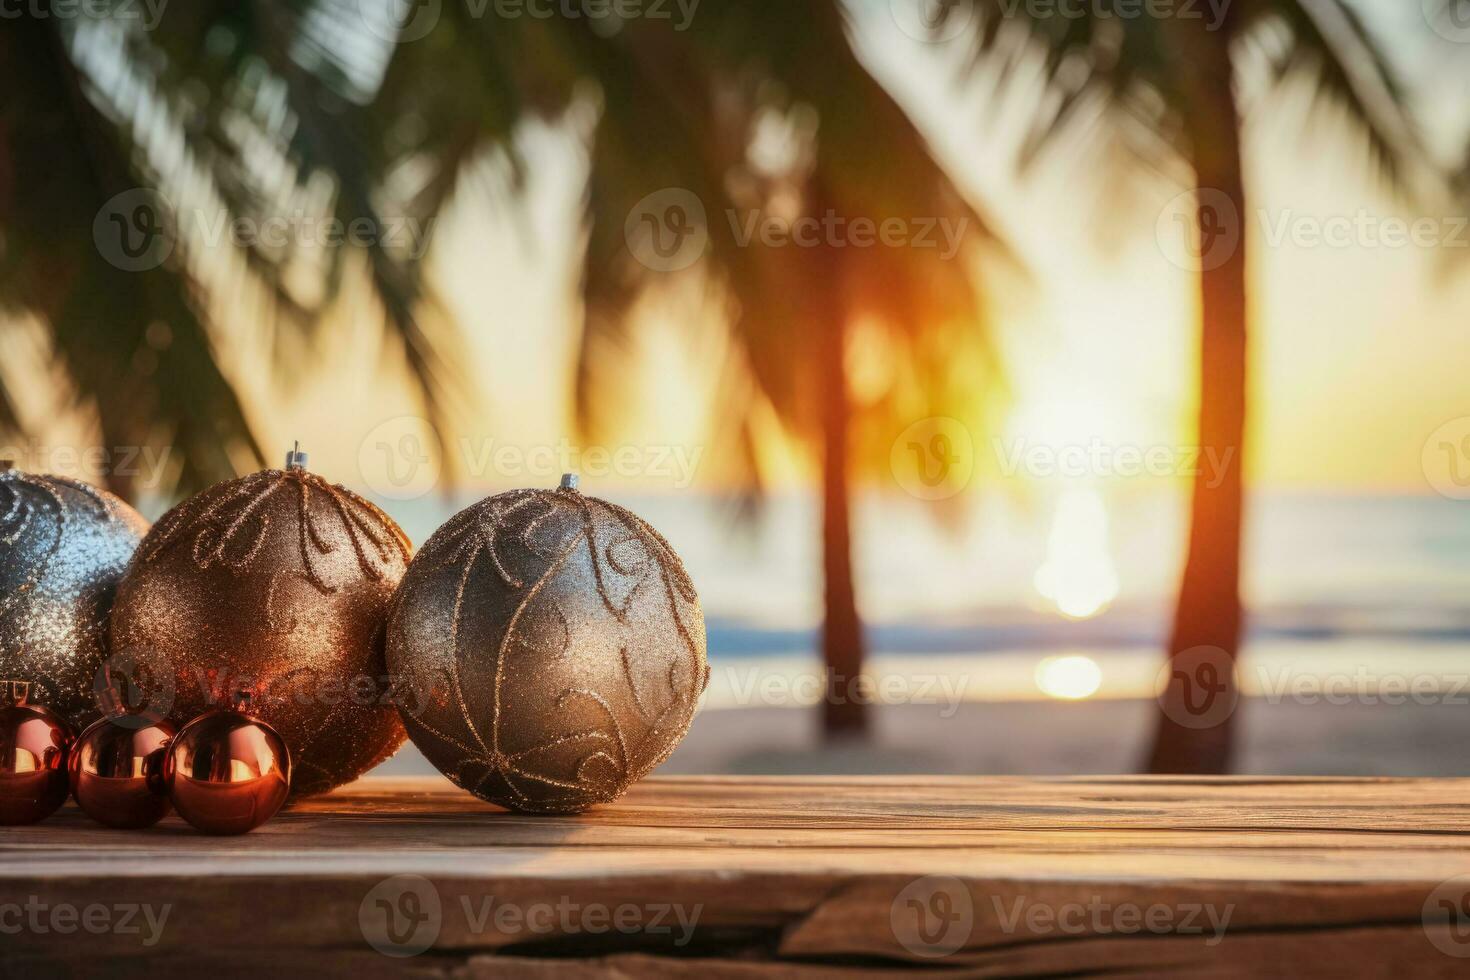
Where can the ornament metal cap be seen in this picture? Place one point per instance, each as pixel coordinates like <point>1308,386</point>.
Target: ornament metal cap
<point>569,481</point>
<point>14,693</point>
<point>295,458</point>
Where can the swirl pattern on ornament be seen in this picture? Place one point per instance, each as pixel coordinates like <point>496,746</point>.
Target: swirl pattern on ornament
<point>22,501</point>
<point>63,548</point>
<point>568,642</point>
<point>231,529</point>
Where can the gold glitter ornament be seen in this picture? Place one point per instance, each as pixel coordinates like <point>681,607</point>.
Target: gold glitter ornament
<point>63,548</point>
<point>554,646</point>
<point>277,584</point>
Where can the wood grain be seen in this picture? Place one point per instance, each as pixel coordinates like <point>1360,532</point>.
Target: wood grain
<point>804,876</point>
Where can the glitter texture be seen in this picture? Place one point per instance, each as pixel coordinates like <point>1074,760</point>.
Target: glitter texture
<point>63,548</point>
<point>555,646</point>
<point>278,583</point>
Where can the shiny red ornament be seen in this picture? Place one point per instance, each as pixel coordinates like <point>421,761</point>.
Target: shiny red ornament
<point>34,742</point>
<point>226,772</point>
<point>117,771</point>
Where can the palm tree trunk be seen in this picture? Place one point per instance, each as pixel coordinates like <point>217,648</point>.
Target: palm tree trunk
<point>844,715</point>
<point>1194,730</point>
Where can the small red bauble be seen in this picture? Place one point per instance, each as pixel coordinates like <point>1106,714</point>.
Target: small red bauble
<point>227,773</point>
<point>117,771</point>
<point>33,750</point>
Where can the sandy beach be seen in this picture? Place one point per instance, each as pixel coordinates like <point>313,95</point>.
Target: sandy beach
<point>1083,738</point>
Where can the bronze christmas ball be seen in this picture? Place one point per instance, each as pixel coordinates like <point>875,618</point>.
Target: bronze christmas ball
<point>552,647</point>
<point>34,743</point>
<point>227,772</point>
<point>63,548</point>
<point>279,583</point>
<point>117,771</point>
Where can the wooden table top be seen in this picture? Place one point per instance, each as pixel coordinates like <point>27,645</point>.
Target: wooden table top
<point>748,875</point>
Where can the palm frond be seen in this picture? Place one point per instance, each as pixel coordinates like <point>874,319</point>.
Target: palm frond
<point>1333,52</point>
<point>857,154</point>
<point>135,343</point>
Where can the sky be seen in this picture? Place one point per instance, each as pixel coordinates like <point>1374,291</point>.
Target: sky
<point>1359,349</point>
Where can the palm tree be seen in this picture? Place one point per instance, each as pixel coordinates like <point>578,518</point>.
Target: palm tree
<point>790,311</point>
<point>270,98</point>
<point>1180,79</point>
<point>681,110</point>
<point>100,108</point>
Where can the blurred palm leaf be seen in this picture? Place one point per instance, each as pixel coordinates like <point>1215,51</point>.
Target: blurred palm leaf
<point>1111,80</point>
<point>224,110</point>
<point>297,106</point>
<point>688,112</point>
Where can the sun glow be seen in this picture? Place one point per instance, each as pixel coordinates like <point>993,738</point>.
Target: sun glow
<point>1070,678</point>
<point>1078,576</point>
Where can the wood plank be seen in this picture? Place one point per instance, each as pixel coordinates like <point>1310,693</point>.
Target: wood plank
<point>812,874</point>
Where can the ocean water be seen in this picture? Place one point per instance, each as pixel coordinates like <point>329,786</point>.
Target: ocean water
<point>1331,582</point>
<point>979,672</point>
<point>1316,568</point>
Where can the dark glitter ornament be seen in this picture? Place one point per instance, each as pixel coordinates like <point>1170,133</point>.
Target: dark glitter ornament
<point>116,770</point>
<point>554,649</point>
<point>278,582</point>
<point>34,742</point>
<point>63,548</point>
<point>227,772</point>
